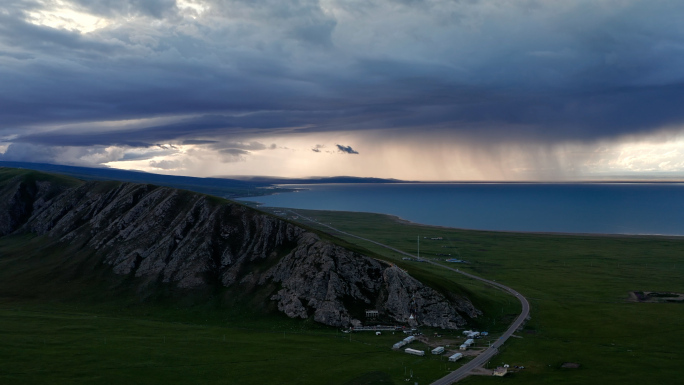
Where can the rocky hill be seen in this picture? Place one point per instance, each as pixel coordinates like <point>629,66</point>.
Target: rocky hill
<point>169,236</point>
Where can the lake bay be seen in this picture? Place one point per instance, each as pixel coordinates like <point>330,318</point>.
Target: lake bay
<point>612,208</point>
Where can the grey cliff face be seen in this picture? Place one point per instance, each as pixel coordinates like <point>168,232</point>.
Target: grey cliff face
<point>191,240</point>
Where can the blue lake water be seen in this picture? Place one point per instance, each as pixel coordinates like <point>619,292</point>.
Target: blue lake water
<point>616,208</point>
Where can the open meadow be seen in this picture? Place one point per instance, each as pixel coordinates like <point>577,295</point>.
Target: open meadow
<point>578,286</point>
<point>64,322</point>
<point>85,328</point>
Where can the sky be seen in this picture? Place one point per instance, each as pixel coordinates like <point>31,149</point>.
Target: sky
<point>503,90</point>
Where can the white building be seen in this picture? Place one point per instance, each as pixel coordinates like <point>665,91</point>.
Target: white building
<point>372,314</point>
<point>463,347</point>
<point>399,344</point>
<point>455,357</point>
<point>438,350</point>
<point>414,352</point>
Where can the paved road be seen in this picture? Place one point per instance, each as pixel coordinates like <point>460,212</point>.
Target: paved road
<point>483,357</point>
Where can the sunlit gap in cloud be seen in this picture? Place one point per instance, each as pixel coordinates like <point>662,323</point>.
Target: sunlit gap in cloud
<point>192,8</point>
<point>291,155</point>
<point>63,15</point>
<point>407,157</point>
<point>70,16</point>
<point>649,157</point>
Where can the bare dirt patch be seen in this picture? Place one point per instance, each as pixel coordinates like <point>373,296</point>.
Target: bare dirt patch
<point>482,372</point>
<point>570,365</point>
<point>656,296</point>
<point>472,351</point>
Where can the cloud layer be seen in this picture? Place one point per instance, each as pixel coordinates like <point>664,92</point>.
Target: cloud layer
<point>101,81</point>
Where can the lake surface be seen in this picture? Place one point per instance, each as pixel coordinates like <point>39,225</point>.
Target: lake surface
<point>616,208</point>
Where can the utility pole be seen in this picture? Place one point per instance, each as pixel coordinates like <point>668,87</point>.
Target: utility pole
<point>419,247</point>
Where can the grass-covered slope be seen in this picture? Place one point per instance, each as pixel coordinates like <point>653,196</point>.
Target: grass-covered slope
<point>221,187</point>
<point>153,236</point>
<point>67,316</point>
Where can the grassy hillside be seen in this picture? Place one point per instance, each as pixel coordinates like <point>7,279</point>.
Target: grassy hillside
<point>578,287</point>
<point>66,318</point>
<point>93,327</point>
<point>8,173</point>
<point>221,187</point>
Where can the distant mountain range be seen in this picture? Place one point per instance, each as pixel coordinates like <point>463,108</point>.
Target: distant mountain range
<point>272,180</point>
<point>225,187</point>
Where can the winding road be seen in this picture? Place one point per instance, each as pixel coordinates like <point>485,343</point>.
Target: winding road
<point>486,355</point>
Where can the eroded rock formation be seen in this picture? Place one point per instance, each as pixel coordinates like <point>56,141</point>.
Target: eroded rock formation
<point>193,240</point>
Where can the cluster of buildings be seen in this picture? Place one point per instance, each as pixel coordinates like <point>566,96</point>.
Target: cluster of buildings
<point>438,350</point>
<point>474,334</point>
<point>471,335</point>
<point>468,343</point>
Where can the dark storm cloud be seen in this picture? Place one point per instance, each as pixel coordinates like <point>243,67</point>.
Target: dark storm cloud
<point>199,141</point>
<point>302,20</point>
<point>234,151</point>
<point>552,71</point>
<point>166,164</point>
<point>146,154</point>
<point>346,149</point>
<point>154,8</point>
<point>216,126</point>
<point>85,156</point>
<point>30,153</point>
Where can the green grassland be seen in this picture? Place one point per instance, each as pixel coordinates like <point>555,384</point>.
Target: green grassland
<point>578,288</point>
<point>64,319</point>
<point>41,346</point>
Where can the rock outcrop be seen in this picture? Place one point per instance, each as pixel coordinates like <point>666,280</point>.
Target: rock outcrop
<point>192,240</point>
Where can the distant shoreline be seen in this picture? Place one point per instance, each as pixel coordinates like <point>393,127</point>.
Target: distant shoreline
<point>401,220</point>
<point>609,235</point>
<point>315,183</point>
<point>603,209</point>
